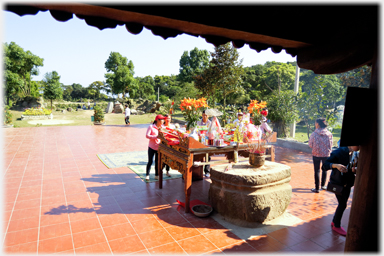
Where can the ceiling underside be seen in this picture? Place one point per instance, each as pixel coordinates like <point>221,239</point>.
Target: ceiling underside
<point>327,39</point>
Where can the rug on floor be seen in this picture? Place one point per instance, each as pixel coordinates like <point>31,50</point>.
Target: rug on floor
<point>141,171</point>
<point>137,162</point>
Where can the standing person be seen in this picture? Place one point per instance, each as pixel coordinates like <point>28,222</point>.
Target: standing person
<point>264,126</point>
<point>167,123</point>
<point>320,141</point>
<point>338,162</point>
<point>89,105</point>
<point>205,122</point>
<point>153,146</point>
<point>127,114</point>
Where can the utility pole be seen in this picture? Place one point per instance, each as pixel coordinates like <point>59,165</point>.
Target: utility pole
<point>296,90</point>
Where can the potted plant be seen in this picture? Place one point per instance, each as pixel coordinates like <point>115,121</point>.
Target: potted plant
<point>7,117</point>
<point>98,115</point>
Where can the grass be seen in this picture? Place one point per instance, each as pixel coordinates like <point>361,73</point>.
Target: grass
<point>301,134</point>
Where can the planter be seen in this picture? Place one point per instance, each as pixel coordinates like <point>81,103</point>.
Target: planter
<point>92,118</point>
<point>99,123</point>
<point>7,125</point>
<point>256,159</point>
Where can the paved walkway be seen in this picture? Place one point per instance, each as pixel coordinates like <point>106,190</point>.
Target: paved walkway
<point>60,198</point>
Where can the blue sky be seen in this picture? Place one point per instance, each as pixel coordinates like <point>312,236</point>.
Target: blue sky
<point>78,51</point>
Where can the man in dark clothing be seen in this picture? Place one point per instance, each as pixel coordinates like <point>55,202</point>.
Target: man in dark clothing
<point>338,162</point>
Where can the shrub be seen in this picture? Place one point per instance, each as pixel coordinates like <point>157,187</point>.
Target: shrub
<point>98,114</point>
<point>7,115</point>
<point>37,112</point>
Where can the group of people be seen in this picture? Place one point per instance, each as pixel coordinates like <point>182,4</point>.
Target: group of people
<point>165,121</point>
<point>321,141</point>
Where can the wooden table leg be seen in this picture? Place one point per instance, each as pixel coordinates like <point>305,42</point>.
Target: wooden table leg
<point>188,182</point>
<point>159,165</point>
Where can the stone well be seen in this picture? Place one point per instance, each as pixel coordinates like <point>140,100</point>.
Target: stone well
<point>247,196</point>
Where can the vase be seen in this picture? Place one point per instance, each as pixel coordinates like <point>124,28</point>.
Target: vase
<point>256,159</point>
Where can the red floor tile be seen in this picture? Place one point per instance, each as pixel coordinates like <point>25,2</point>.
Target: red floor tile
<point>266,243</point>
<point>101,248</point>
<point>127,245</point>
<point>197,244</point>
<point>57,244</point>
<point>171,248</point>
<point>88,238</point>
<point>52,231</point>
<point>27,248</point>
<point>182,231</point>
<point>119,231</point>
<point>222,238</point>
<point>155,238</point>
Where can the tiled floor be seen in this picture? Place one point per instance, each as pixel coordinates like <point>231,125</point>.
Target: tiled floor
<point>60,198</point>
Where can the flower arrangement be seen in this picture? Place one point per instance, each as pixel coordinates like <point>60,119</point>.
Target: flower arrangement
<point>190,109</point>
<point>37,112</point>
<point>255,109</point>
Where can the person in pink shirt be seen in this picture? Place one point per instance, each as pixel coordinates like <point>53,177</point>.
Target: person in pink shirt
<point>321,141</point>
<point>153,146</point>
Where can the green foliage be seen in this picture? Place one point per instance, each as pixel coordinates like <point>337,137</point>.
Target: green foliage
<point>7,116</point>
<point>52,86</point>
<point>319,98</point>
<point>98,114</point>
<point>37,112</point>
<point>145,88</point>
<point>163,98</point>
<point>281,111</point>
<point>94,89</point>
<point>223,76</point>
<point>192,64</point>
<point>120,74</point>
<point>20,66</point>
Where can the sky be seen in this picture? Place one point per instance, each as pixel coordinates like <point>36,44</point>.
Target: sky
<point>77,51</point>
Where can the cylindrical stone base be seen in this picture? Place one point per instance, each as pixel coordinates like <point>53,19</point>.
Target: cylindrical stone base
<point>247,196</point>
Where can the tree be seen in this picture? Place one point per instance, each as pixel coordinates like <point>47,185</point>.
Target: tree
<point>319,98</point>
<point>281,111</point>
<point>223,74</point>
<point>94,89</point>
<point>278,76</point>
<point>144,89</point>
<point>120,77</point>
<point>52,86</point>
<point>193,64</point>
<point>78,91</point>
<point>20,66</point>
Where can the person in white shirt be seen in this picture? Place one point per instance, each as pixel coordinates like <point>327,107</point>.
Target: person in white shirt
<point>239,121</point>
<point>204,120</point>
<point>127,114</point>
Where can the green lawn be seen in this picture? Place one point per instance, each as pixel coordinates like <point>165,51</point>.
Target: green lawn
<point>302,136</point>
<point>84,118</point>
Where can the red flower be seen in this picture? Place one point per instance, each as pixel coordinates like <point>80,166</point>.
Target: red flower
<point>264,113</point>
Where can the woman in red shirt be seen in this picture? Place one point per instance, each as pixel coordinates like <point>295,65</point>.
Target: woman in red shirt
<point>153,146</point>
